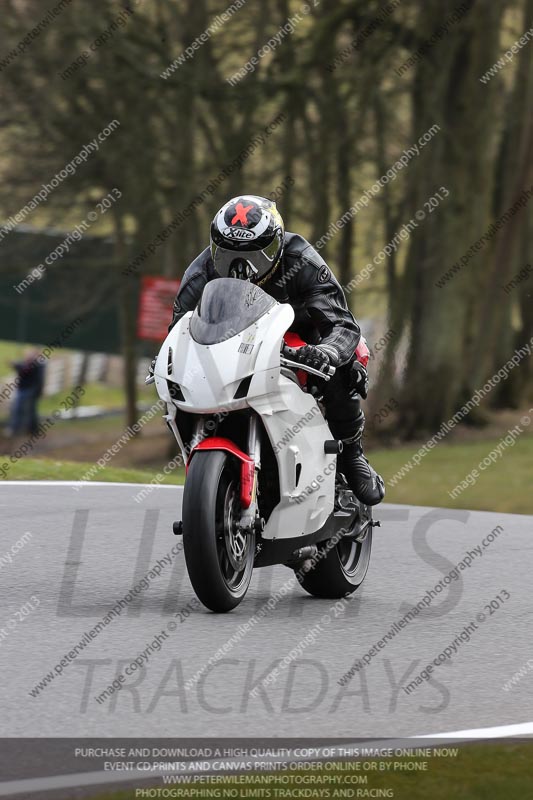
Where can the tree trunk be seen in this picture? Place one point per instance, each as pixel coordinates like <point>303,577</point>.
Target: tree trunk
<point>447,92</point>
<point>493,346</point>
<point>127,324</point>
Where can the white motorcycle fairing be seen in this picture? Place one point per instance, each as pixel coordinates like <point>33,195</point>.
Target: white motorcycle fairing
<point>210,375</point>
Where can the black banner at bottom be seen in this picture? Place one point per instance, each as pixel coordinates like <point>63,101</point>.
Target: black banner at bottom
<point>156,769</point>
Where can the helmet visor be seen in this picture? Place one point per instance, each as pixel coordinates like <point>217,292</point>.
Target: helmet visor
<point>245,264</point>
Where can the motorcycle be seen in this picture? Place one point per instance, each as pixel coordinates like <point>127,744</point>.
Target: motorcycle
<point>261,486</point>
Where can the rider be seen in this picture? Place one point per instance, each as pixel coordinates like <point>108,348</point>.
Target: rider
<point>248,241</point>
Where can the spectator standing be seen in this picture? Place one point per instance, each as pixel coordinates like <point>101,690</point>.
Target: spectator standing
<point>30,383</point>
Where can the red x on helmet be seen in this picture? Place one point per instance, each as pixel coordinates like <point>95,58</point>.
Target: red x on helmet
<point>247,238</point>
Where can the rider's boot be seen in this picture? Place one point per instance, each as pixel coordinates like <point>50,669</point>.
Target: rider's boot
<point>363,480</point>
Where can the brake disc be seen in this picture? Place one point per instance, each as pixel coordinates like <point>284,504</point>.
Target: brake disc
<point>235,540</point>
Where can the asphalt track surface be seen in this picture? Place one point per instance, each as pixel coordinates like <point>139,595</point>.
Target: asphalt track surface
<point>89,547</point>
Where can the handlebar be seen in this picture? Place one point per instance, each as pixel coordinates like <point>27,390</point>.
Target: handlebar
<point>286,362</point>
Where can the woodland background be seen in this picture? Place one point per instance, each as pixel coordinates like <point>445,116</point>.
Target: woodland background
<point>348,112</point>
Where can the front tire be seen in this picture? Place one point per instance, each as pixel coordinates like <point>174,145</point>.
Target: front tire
<point>339,570</point>
<point>219,558</point>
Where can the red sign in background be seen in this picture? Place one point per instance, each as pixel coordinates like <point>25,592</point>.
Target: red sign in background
<point>155,307</point>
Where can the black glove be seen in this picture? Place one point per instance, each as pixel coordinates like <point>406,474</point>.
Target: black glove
<point>359,379</point>
<point>310,356</point>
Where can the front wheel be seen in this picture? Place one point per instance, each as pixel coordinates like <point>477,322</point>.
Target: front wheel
<point>218,555</point>
<point>338,570</point>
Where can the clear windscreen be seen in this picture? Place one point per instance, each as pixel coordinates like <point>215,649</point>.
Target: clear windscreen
<point>227,307</point>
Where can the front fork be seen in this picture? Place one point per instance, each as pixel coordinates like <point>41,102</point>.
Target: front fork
<point>250,519</point>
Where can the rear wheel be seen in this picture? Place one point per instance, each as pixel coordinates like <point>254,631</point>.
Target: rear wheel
<point>341,569</point>
<point>218,555</point>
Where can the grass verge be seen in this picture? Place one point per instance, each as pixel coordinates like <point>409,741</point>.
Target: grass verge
<point>503,487</point>
<point>39,469</point>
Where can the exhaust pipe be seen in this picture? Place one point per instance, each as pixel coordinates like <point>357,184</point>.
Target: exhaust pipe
<point>304,552</point>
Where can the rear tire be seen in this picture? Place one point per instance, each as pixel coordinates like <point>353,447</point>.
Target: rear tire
<point>341,570</point>
<point>219,559</point>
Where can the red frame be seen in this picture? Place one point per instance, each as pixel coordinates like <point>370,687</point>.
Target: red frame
<point>292,339</point>
<point>247,463</point>
<point>362,353</point>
